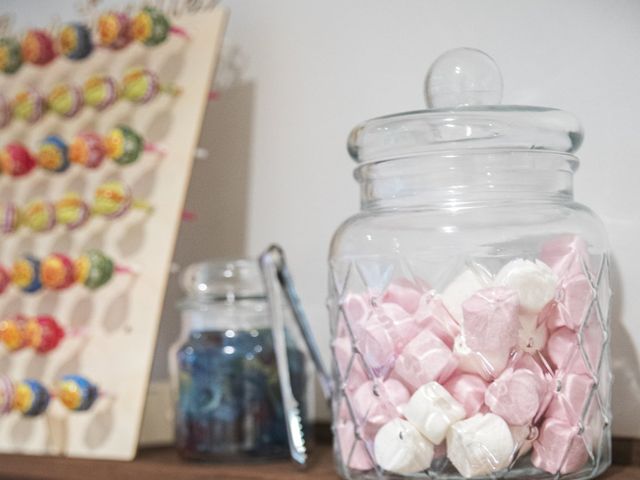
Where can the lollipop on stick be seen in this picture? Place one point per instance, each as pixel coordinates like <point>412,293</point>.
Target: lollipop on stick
<point>44,333</point>
<point>87,149</point>
<point>94,269</point>
<point>5,279</point>
<point>28,105</point>
<point>65,100</point>
<point>31,398</point>
<point>25,274</point>
<point>124,145</point>
<point>39,216</point>
<point>13,333</point>
<point>151,27</point>
<point>5,112</point>
<point>141,85</point>
<point>53,154</point>
<point>10,55</point>
<point>77,393</point>
<point>113,199</point>
<point>10,216</point>
<point>57,271</point>
<point>114,30</point>
<point>72,211</point>
<point>74,41</point>
<point>7,395</point>
<point>15,160</point>
<point>38,48</point>
<point>100,91</point>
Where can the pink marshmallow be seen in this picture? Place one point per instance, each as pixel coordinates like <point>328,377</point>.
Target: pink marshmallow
<point>570,397</point>
<point>469,390</point>
<point>559,448</point>
<point>491,320</point>
<point>572,303</point>
<point>384,335</point>
<point>355,310</point>
<point>433,315</point>
<point>375,404</point>
<point>564,353</point>
<point>356,457</point>
<point>343,351</point>
<point>566,255</point>
<point>517,396</point>
<point>403,293</point>
<point>425,359</point>
<point>533,334</point>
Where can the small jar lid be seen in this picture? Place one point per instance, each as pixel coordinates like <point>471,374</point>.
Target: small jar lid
<point>463,91</point>
<point>223,280</point>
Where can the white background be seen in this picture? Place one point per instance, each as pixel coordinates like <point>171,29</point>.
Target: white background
<point>298,75</point>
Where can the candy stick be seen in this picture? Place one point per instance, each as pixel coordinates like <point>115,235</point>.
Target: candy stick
<point>31,398</point>
<point>39,216</point>
<point>28,105</point>
<point>140,85</point>
<point>7,395</point>
<point>37,47</point>
<point>151,27</point>
<point>114,30</point>
<point>15,160</point>
<point>25,274</point>
<point>9,218</point>
<point>10,55</point>
<point>74,41</point>
<point>94,269</point>
<point>13,333</point>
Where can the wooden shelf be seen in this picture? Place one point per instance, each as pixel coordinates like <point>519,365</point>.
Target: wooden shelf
<point>164,464</point>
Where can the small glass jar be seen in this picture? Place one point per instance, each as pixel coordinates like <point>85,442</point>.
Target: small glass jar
<point>469,298</point>
<point>224,370</point>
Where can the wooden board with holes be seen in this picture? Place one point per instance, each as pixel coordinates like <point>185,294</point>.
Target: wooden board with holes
<point>118,324</point>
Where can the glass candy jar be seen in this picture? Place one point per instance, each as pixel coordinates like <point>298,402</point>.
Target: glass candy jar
<point>224,369</point>
<point>469,297</point>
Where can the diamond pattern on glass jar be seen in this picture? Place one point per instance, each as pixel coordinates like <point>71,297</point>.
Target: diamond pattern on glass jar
<point>591,426</point>
<point>340,272</point>
<point>376,273</point>
<point>592,340</point>
<point>603,289</point>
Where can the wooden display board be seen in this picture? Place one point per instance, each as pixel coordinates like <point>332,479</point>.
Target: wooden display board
<point>121,319</point>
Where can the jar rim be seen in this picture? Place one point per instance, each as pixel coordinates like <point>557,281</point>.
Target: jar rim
<point>508,127</point>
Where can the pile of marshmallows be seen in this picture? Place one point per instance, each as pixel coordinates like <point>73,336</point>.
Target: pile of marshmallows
<point>483,373</point>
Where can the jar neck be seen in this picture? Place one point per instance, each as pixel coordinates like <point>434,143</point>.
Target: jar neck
<point>474,177</point>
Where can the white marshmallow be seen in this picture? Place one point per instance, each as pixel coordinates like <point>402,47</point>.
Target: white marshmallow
<point>480,445</point>
<point>400,448</point>
<point>488,365</point>
<point>460,289</point>
<point>535,283</point>
<point>432,410</point>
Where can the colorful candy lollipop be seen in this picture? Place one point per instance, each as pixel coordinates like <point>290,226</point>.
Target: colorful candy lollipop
<point>25,274</point>
<point>10,216</point>
<point>28,105</point>
<point>10,55</point>
<point>66,100</point>
<point>100,91</point>
<point>39,215</point>
<point>57,272</point>
<point>13,333</point>
<point>15,160</point>
<point>37,47</point>
<point>5,112</point>
<point>94,269</point>
<point>124,145</point>
<point>74,41</point>
<point>77,393</point>
<point>7,395</point>
<point>140,85</point>
<point>44,333</point>
<point>87,149</point>
<point>5,279</point>
<point>113,199</point>
<point>31,398</point>
<point>114,30</point>
<point>72,211</point>
<point>151,27</point>
<point>53,154</point>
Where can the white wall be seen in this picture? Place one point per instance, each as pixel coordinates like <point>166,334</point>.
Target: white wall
<point>298,75</point>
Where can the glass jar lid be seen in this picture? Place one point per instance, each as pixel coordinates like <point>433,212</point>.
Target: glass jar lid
<point>223,280</point>
<point>463,91</point>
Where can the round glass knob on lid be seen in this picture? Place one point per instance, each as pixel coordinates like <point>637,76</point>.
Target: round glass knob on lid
<point>463,77</point>
<point>463,90</point>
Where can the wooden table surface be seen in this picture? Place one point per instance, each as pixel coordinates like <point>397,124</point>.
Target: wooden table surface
<point>164,464</point>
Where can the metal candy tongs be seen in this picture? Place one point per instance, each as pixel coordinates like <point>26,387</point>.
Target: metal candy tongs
<point>274,271</point>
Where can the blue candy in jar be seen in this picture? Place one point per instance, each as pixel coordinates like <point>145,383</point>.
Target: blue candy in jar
<point>229,405</point>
